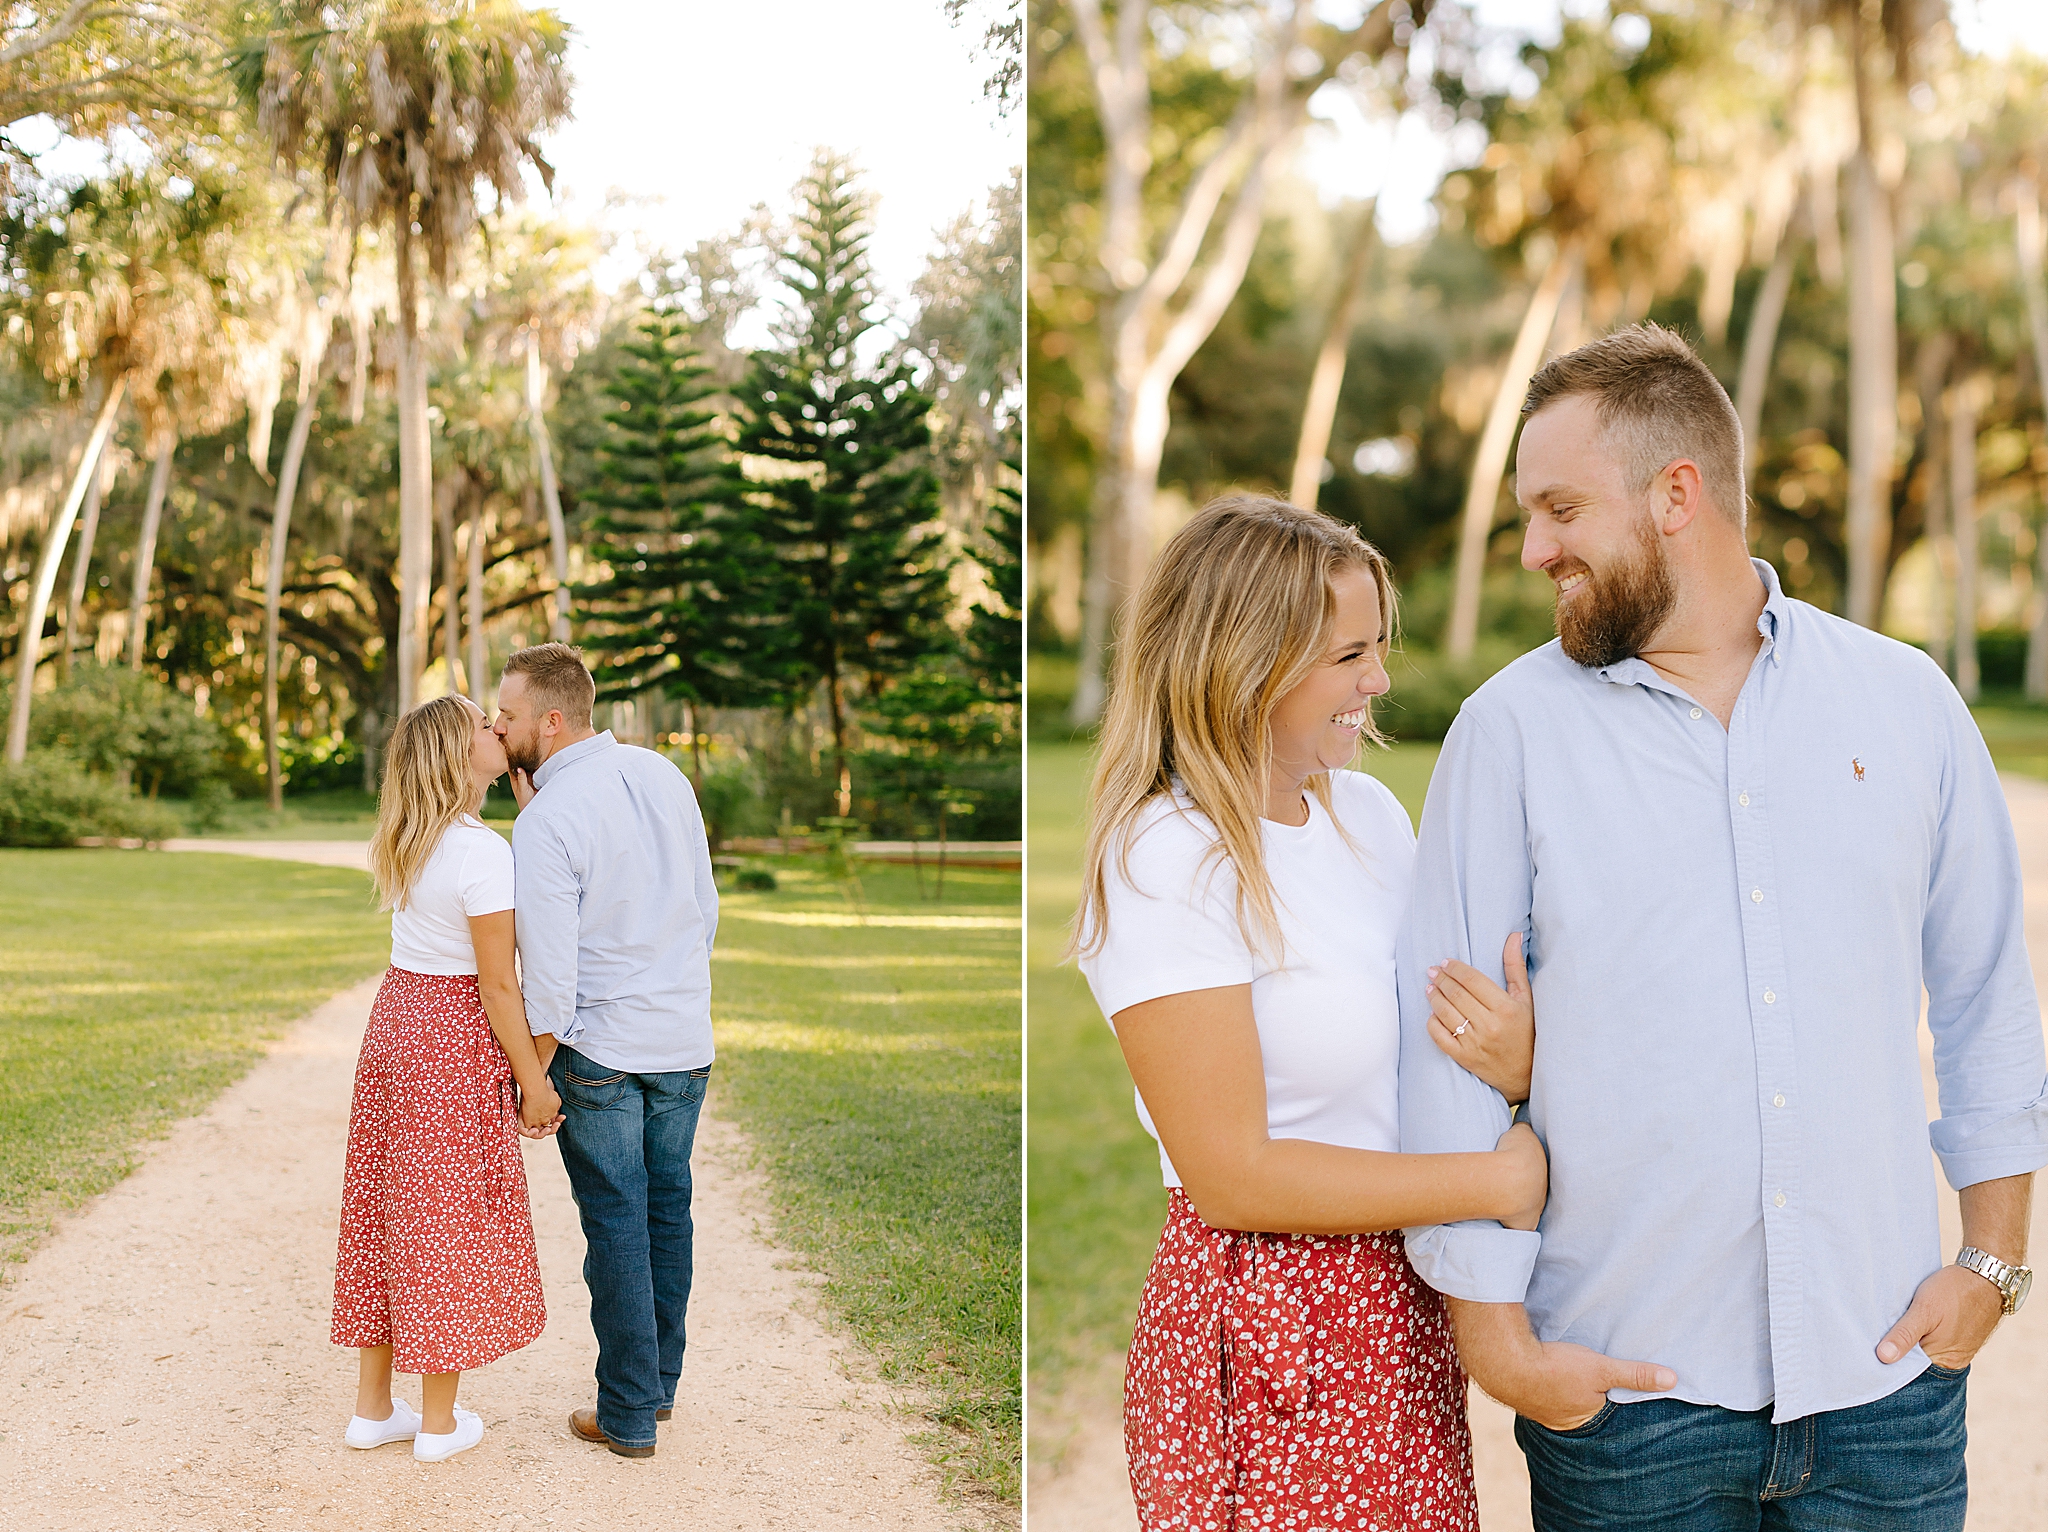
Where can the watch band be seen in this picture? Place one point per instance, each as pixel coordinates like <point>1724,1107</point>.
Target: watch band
<point>2011,1281</point>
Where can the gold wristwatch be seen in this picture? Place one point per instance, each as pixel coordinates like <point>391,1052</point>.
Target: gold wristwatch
<point>2011,1281</point>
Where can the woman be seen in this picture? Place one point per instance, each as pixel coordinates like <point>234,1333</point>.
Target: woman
<point>1241,898</point>
<point>436,1273</point>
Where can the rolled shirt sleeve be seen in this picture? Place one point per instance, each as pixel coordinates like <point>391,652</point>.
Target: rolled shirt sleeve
<point>547,899</point>
<point>1472,888</point>
<point>1981,1006</point>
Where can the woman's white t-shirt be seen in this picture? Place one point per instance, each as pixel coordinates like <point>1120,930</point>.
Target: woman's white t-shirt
<point>470,873</point>
<point>1329,1024</point>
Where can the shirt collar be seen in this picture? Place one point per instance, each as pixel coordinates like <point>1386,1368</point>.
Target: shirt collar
<point>569,755</point>
<point>1772,622</point>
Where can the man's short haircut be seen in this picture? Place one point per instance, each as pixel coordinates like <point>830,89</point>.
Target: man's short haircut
<point>557,680</point>
<point>1658,402</point>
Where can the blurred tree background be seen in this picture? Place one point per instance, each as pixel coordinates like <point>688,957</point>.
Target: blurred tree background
<point>1838,203</point>
<point>292,439</point>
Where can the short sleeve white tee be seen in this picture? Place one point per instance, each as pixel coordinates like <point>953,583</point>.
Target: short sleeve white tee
<point>1328,1020</point>
<point>470,873</point>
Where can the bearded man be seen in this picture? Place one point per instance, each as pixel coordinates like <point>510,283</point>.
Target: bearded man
<point>1738,836</point>
<point>616,912</point>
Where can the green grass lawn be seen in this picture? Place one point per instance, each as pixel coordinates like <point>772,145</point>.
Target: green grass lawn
<point>1095,1200</point>
<point>2017,733</point>
<point>876,1068</point>
<point>134,986</point>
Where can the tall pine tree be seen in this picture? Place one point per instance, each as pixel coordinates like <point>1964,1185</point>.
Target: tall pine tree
<point>995,631</point>
<point>850,522</point>
<point>681,613</point>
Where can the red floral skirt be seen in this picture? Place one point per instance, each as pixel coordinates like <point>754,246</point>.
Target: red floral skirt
<point>1293,1381</point>
<point>436,1257</point>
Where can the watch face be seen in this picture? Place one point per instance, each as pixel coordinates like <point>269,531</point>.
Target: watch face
<point>2022,1281</point>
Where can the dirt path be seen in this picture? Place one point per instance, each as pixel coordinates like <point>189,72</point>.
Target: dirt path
<point>1081,1486</point>
<point>168,1359</point>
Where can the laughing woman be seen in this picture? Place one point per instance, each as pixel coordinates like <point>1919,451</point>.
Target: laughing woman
<point>436,1273</point>
<point>1241,898</point>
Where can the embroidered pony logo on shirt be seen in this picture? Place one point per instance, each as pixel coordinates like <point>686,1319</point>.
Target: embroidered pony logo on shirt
<point>1856,765</point>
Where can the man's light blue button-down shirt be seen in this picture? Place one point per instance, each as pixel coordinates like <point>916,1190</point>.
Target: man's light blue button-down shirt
<point>1729,933</point>
<point>616,908</point>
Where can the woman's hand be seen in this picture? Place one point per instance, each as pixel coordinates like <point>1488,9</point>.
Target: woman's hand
<point>1528,1176</point>
<point>1490,1031</point>
<point>540,1112</point>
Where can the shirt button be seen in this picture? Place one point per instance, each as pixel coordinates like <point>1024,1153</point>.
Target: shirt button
<point>1743,800</point>
<point>1695,712</point>
<point>1756,896</point>
<point>1770,997</point>
<point>1779,1199</point>
<point>1779,1099</point>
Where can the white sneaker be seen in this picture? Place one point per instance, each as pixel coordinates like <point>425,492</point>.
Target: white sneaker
<point>430,1448</point>
<point>403,1425</point>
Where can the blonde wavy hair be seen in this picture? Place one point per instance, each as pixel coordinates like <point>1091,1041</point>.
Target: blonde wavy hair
<point>427,788</point>
<point>1232,616</point>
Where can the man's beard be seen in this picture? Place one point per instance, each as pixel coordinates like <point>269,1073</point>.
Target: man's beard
<point>1614,614</point>
<point>524,757</point>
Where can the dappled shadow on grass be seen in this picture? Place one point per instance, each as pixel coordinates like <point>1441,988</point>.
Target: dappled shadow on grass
<point>134,987</point>
<point>883,1098</point>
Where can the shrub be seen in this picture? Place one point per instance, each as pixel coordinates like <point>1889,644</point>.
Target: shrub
<point>49,800</point>
<point>1429,688</point>
<point>114,721</point>
<point>730,797</point>
<point>754,880</point>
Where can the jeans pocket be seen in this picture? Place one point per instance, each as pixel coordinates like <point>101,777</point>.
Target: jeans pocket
<point>590,1085</point>
<point>1948,1374</point>
<point>1588,1428</point>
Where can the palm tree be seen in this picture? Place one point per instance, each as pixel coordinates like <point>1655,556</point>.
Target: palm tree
<point>119,283</point>
<point>1326,382</point>
<point>304,323</point>
<point>402,107</point>
<point>1587,177</point>
<point>1873,34</point>
<point>1167,286</point>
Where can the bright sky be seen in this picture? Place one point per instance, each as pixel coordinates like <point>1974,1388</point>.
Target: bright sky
<point>1402,162</point>
<point>699,111</point>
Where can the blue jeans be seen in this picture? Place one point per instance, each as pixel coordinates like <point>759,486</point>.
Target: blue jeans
<point>1893,1465</point>
<point>626,1145</point>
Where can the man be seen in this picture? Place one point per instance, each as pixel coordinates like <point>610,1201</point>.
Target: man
<point>1739,835</point>
<point>615,911</point>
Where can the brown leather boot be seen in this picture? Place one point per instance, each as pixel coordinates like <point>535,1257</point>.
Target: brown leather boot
<point>583,1425</point>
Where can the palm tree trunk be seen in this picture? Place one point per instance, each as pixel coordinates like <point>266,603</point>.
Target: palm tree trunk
<point>1319,415</point>
<point>451,582</point>
<point>273,584</point>
<point>1930,371</point>
<point>1964,402</point>
<point>1759,345</point>
<point>2027,235</point>
<point>81,563</point>
<point>415,485</point>
<point>551,493</point>
<point>1873,356</point>
<point>31,640</point>
<point>478,684</point>
<point>145,549</point>
<point>1490,462</point>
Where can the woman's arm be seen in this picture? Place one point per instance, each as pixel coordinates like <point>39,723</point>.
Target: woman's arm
<point>498,983</point>
<point>1491,1031</point>
<point>1196,1062</point>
